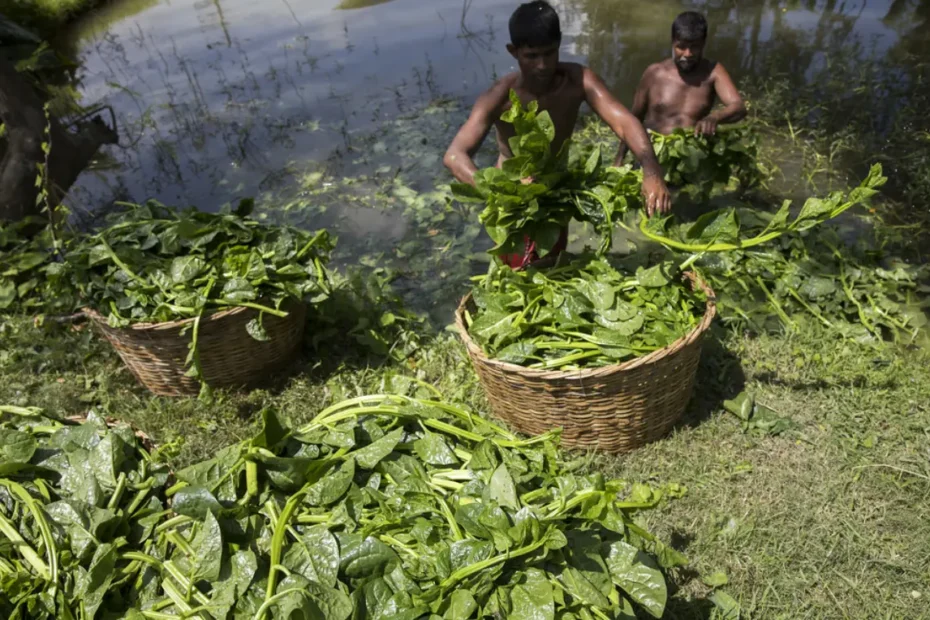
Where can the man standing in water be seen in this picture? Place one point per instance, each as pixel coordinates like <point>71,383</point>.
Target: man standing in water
<point>560,88</point>
<point>681,91</point>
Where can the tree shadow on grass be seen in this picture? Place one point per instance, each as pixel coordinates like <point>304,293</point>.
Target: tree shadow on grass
<point>361,325</point>
<point>719,378</point>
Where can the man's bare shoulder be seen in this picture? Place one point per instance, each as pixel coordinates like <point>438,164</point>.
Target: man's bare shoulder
<point>503,85</point>
<point>657,70</point>
<point>496,98</point>
<point>573,70</point>
<point>716,69</point>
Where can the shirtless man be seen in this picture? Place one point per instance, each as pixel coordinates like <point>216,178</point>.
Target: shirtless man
<point>681,91</point>
<point>560,88</point>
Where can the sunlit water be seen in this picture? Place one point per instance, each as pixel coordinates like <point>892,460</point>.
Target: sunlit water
<point>282,99</point>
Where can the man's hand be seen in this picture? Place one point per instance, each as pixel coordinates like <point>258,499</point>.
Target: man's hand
<point>658,199</point>
<point>707,126</point>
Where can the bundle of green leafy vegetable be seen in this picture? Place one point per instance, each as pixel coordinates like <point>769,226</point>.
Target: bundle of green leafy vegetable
<point>382,506</point>
<point>79,505</point>
<point>537,192</point>
<point>584,313</point>
<point>696,163</point>
<point>736,228</point>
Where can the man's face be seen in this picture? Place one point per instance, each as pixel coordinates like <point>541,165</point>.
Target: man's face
<point>687,54</point>
<point>537,64</point>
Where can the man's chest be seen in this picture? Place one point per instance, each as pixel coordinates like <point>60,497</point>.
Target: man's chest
<point>676,96</point>
<point>562,105</point>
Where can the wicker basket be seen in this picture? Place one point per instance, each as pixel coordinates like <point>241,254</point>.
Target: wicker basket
<point>229,356</point>
<point>613,408</point>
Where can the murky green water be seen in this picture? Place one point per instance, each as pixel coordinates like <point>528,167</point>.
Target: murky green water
<point>282,99</point>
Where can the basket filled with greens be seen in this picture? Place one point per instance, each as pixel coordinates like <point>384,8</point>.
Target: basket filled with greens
<point>606,353</point>
<point>193,300</point>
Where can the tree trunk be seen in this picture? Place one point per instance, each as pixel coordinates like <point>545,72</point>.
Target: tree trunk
<point>22,112</point>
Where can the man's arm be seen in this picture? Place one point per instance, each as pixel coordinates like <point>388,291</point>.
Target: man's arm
<point>631,131</point>
<point>458,157</point>
<point>640,105</point>
<point>733,109</point>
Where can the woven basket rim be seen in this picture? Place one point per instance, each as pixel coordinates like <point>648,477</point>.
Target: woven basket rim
<point>710,310</point>
<point>213,315</point>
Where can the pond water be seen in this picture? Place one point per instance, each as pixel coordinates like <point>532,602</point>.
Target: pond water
<point>290,100</point>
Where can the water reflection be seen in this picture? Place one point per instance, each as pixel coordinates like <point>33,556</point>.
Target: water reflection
<point>347,5</point>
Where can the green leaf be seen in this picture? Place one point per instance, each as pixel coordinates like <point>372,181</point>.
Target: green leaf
<point>531,598</point>
<point>186,268</point>
<point>465,192</point>
<point>7,292</point>
<point>462,606</point>
<point>195,501</point>
<point>364,556</point>
<point>332,486</point>
<point>656,276</point>
<point>272,432</point>
<point>315,555</point>
<point>715,579</point>
<point>491,325</point>
<point>516,353</point>
<point>311,600</point>
<point>237,290</point>
<point>209,546</point>
<point>502,490</point>
<point>727,606</point>
<point>16,446</point>
<point>578,585</point>
<point>91,586</point>
<point>433,449</point>
<point>372,454</point>
<point>637,575</point>
<point>716,227</point>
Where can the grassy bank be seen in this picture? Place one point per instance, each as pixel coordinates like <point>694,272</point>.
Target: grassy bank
<point>45,17</point>
<point>829,519</point>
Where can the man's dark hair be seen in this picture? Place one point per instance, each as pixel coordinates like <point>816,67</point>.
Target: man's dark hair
<point>689,26</point>
<point>535,24</point>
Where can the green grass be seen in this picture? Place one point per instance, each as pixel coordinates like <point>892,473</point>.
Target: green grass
<point>831,520</point>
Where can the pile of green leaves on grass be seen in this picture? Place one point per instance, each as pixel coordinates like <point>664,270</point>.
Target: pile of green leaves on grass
<point>537,192</point>
<point>79,504</point>
<point>381,506</point>
<point>32,278</point>
<point>585,313</point>
<point>851,288</point>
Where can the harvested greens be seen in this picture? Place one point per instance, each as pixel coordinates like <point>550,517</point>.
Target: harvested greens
<point>156,264</point>
<point>382,506</point>
<point>726,230</point>
<point>697,163</point>
<point>31,279</point>
<point>850,288</point>
<point>537,192</point>
<point>582,314</point>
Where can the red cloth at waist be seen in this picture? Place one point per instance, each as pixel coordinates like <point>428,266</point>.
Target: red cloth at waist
<point>517,261</point>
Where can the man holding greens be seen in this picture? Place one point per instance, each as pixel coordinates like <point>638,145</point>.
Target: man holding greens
<point>559,88</point>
